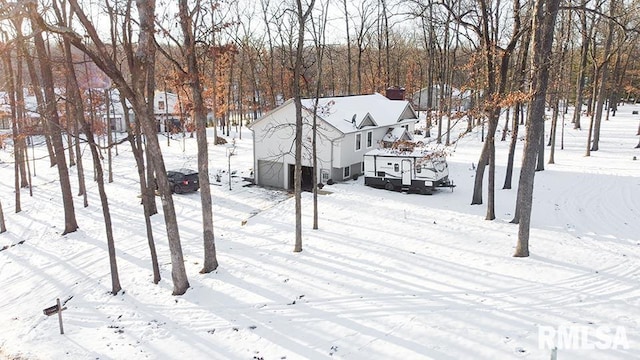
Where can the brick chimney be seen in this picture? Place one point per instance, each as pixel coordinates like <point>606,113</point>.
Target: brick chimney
<point>395,93</point>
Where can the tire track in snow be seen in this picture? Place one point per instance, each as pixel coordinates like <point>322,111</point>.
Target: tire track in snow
<point>601,210</point>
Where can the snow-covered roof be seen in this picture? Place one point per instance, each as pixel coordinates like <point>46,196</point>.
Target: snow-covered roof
<point>417,152</point>
<point>30,105</point>
<point>396,134</point>
<point>351,113</point>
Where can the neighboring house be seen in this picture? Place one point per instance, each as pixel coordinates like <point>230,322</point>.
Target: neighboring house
<point>5,111</point>
<point>348,127</point>
<point>461,100</point>
<point>31,116</point>
<point>166,110</point>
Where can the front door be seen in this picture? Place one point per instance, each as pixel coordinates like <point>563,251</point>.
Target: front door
<point>406,172</point>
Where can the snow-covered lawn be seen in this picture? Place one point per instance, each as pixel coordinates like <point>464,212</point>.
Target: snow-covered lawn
<point>387,276</point>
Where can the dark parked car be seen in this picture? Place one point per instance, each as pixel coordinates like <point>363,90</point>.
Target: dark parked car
<point>183,180</point>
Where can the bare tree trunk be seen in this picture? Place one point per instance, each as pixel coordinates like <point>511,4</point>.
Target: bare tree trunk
<point>72,157</point>
<point>115,279</point>
<point>230,95</point>
<point>241,94</point>
<point>496,87</point>
<point>270,73</point>
<point>545,14</point>
<point>505,128</point>
<point>141,65</point>
<point>540,159</point>
<point>476,198</point>
<point>512,148</point>
<point>346,20</point>
<point>145,54</point>
<point>19,142</point>
<point>70,224</point>
<point>14,127</point>
<point>200,115</point>
<point>562,48</point>
<point>302,16</point>
<point>214,84</point>
<point>35,83</point>
<point>385,24</point>
<point>75,113</point>
<point>582,70</point>
<point>319,39</point>
<point>109,137</point>
<point>491,213</point>
<point>552,137</point>
<point>602,89</point>
<point>3,227</point>
<point>147,193</point>
<point>76,98</point>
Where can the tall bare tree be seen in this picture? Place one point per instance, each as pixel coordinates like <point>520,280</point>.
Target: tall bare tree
<point>545,13</point>
<point>141,65</point>
<point>302,15</point>
<point>51,112</point>
<point>602,71</point>
<point>3,226</point>
<point>518,112</point>
<point>75,98</point>
<point>200,115</point>
<point>10,83</point>
<point>348,33</point>
<point>319,40</point>
<point>497,62</point>
<point>585,32</point>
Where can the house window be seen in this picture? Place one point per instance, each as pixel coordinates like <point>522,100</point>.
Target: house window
<point>160,105</point>
<point>369,139</point>
<point>347,172</point>
<point>358,142</point>
<point>325,176</point>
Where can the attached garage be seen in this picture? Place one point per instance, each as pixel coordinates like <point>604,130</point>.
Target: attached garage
<point>270,173</point>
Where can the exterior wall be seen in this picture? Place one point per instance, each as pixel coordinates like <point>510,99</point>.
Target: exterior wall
<point>273,138</point>
<point>351,157</point>
<point>337,174</point>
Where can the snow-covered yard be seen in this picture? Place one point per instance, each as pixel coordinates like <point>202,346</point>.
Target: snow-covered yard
<point>387,276</point>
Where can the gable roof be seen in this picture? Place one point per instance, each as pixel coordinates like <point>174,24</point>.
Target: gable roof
<point>396,134</point>
<point>350,113</point>
<point>367,121</point>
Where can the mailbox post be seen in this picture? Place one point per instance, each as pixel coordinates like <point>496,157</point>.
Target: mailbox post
<point>56,309</point>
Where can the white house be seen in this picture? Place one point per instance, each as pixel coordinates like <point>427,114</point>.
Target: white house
<point>166,110</point>
<point>348,127</point>
<point>31,115</point>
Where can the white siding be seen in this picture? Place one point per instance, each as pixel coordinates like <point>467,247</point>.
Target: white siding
<point>274,141</point>
<point>348,154</point>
